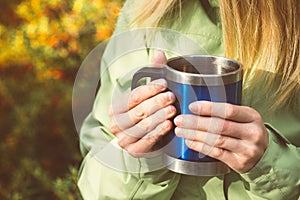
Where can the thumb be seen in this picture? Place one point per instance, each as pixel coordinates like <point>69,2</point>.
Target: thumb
<point>159,58</point>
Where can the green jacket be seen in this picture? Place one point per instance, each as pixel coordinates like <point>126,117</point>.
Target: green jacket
<point>109,172</point>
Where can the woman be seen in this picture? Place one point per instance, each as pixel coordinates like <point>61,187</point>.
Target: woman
<point>259,140</point>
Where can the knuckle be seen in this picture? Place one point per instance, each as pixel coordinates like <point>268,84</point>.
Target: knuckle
<point>192,144</point>
<point>252,152</point>
<point>226,126</point>
<point>158,100</point>
<point>113,128</point>
<point>257,135</point>
<point>163,99</point>
<point>217,152</point>
<point>244,163</point>
<point>153,88</point>
<point>145,124</point>
<point>135,98</point>
<point>258,138</point>
<point>158,85</point>
<point>256,116</point>
<point>139,112</point>
<point>221,141</point>
<point>154,138</point>
<point>132,152</point>
<point>231,111</point>
<point>153,135</point>
<point>122,144</point>
<point>164,128</point>
<point>252,133</point>
<point>197,123</point>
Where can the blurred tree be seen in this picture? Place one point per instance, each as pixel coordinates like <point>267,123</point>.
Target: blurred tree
<point>7,15</point>
<point>42,44</point>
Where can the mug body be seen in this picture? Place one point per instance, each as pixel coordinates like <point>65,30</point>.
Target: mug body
<point>195,78</point>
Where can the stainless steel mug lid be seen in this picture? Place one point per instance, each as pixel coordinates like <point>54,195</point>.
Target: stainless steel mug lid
<point>203,70</point>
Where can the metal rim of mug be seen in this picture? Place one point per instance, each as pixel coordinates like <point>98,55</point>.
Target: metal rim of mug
<point>195,168</point>
<point>204,79</point>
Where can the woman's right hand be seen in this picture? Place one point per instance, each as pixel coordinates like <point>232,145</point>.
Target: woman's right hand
<point>141,122</point>
<point>142,117</point>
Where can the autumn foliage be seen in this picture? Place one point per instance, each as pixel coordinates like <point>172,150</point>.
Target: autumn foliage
<point>42,44</point>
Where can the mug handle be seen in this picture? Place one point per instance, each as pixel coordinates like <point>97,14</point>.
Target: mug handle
<point>152,72</point>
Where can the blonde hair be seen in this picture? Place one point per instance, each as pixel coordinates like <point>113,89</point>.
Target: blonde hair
<point>149,13</point>
<point>262,34</point>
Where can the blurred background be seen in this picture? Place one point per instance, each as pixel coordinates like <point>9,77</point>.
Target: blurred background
<point>42,45</point>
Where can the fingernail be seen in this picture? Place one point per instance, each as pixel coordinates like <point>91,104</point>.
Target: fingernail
<point>171,96</point>
<point>194,106</point>
<point>172,110</point>
<point>178,120</point>
<point>161,83</point>
<point>158,54</point>
<point>167,125</point>
<point>177,131</point>
<point>159,58</point>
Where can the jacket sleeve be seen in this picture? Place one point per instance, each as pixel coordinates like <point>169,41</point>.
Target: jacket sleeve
<point>277,174</point>
<point>97,180</point>
<point>107,171</point>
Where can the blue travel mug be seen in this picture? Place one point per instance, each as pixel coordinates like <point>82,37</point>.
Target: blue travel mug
<point>193,78</point>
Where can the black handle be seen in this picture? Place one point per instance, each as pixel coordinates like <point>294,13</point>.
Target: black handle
<point>152,72</point>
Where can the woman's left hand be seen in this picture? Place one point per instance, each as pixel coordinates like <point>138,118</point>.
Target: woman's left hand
<point>233,134</point>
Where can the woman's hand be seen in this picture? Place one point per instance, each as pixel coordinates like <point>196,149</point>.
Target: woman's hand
<point>140,119</point>
<point>235,135</point>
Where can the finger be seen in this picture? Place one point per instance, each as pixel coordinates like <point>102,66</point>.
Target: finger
<point>201,147</point>
<point>144,145</point>
<point>214,152</point>
<point>214,140</point>
<point>145,109</point>
<point>151,105</point>
<point>137,96</point>
<point>159,58</point>
<point>237,162</point>
<point>145,126</point>
<point>213,125</point>
<point>224,110</point>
